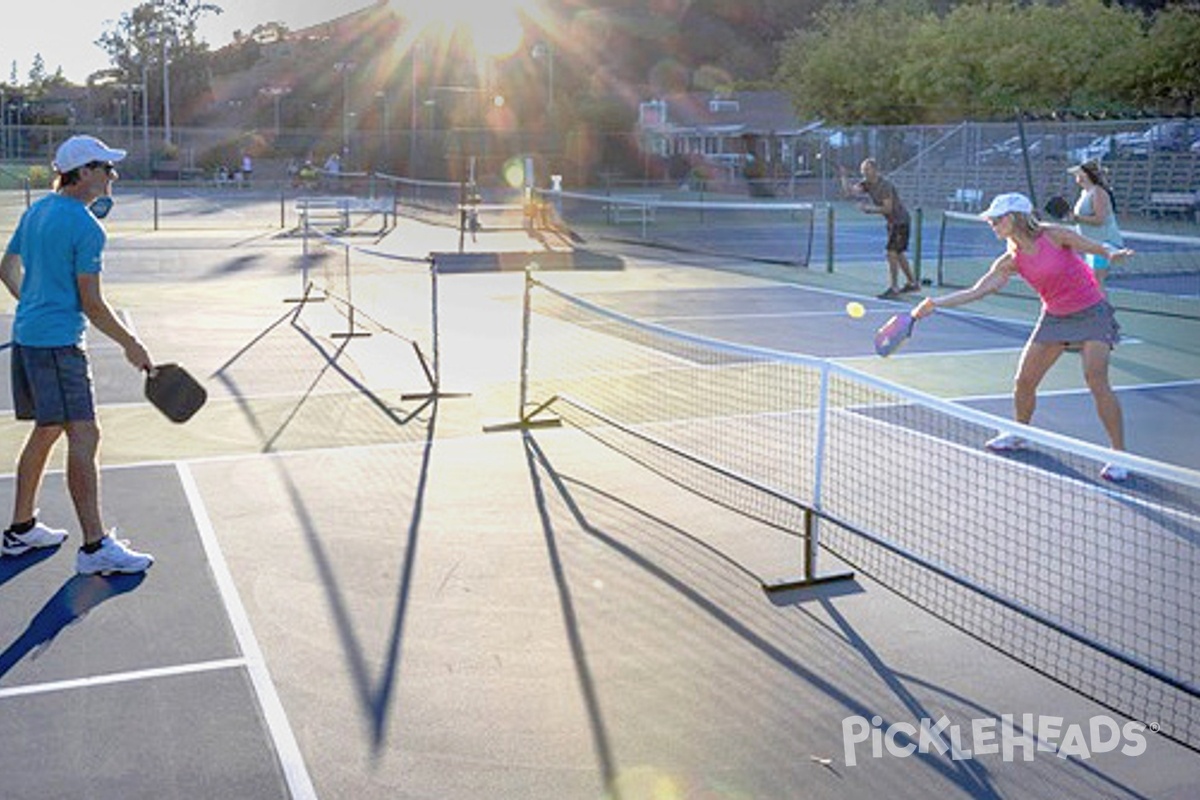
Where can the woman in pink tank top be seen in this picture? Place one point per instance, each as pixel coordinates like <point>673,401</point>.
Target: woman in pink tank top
<point>1075,312</point>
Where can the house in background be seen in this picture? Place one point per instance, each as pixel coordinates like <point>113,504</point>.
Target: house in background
<point>726,136</point>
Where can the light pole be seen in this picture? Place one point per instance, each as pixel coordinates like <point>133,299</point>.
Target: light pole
<point>166,67</point>
<point>384,123</point>
<point>145,120</point>
<point>345,68</point>
<point>542,50</point>
<point>413,108</point>
<point>276,93</point>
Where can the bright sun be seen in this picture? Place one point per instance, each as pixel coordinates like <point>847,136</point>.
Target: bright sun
<point>493,25</point>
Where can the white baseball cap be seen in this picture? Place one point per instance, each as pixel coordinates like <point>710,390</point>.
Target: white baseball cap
<point>1006,204</point>
<point>80,150</point>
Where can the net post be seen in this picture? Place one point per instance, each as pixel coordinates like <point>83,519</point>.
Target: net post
<point>531,420</point>
<point>351,332</point>
<point>305,284</point>
<point>917,248</point>
<point>941,251</point>
<point>809,577</point>
<point>829,221</point>
<point>812,230</point>
<point>432,366</point>
<point>435,334</point>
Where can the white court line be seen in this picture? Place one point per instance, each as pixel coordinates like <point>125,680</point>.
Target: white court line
<point>288,750</point>
<point>1083,390</point>
<point>122,677</point>
<point>762,315</point>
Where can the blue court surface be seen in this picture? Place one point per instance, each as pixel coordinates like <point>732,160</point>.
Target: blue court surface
<point>814,322</point>
<point>799,320</point>
<point>1153,416</point>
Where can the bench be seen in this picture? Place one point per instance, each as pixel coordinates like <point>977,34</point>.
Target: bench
<point>1185,203</point>
<point>638,209</point>
<point>964,199</point>
<point>175,171</point>
<point>336,213</point>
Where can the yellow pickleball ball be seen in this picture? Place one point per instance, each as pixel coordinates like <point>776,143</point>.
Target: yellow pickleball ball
<point>855,309</point>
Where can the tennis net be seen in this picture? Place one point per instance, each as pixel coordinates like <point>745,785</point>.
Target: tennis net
<point>458,204</point>
<point>775,232</point>
<point>1163,277</point>
<point>1092,584</point>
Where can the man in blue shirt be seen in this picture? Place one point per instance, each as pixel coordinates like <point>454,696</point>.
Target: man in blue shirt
<point>52,266</point>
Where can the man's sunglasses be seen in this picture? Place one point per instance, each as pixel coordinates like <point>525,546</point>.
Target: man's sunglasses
<point>104,165</point>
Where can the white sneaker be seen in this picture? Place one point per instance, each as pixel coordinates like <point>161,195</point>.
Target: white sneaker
<point>1006,442</point>
<point>114,555</point>
<point>40,535</point>
<point>1114,472</point>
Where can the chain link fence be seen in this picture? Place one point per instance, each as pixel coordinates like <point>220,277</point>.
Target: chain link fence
<point>1154,164</point>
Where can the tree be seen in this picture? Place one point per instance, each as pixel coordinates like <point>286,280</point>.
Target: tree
<point>1170,60</point>
<point>154,31</point>
<point>845,68</point>
<point>867,62</point>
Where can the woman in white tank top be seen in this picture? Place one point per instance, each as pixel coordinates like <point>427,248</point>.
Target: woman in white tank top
<point>1095,213</point>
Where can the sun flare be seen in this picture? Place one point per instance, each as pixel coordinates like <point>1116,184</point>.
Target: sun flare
<point>494,27</point>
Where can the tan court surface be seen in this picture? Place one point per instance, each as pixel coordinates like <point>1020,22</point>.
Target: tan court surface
<point>445,613</point>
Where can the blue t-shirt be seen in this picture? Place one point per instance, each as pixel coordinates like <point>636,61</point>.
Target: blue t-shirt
<point>57,239</point>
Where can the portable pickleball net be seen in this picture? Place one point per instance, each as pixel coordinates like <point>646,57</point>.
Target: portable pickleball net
<point>1091,583</point>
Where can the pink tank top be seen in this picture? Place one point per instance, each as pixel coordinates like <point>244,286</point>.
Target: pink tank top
<point>1060,276</point>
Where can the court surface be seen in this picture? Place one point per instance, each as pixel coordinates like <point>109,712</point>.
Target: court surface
<point>362,596</point>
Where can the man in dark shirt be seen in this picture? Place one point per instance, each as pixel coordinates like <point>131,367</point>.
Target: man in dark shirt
<point>885,200</point>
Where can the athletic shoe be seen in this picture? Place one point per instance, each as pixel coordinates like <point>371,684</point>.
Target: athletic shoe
<point>890,294</point>
<point>1114,472</point>
<point>1005,443</point>
<point>36,537</point>
<point>910,287</point>
<point>114,555</point>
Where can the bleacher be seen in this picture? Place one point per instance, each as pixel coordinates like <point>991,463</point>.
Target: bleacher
<point>1166,184</point>
<point>336,214</point>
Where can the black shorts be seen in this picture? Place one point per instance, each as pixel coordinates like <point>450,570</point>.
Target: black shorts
<point>898,232</point>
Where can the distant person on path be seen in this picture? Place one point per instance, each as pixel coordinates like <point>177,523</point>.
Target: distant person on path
<point>332,169</point>
<point>885,200</point>
<point>1074,311</point>
<point>1095,213</point>
<point>247,168</point>
<point>52,267</point>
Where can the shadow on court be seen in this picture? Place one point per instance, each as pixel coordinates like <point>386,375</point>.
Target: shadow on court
<point>69,605</point>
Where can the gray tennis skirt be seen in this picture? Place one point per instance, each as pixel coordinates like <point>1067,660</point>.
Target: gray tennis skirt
<point>1096,323</point>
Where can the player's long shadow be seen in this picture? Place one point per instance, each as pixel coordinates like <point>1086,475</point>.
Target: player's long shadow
<point>70,604</point>
<point>967,776</point>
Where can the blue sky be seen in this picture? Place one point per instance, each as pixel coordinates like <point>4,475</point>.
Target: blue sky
<point>67,39</point>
